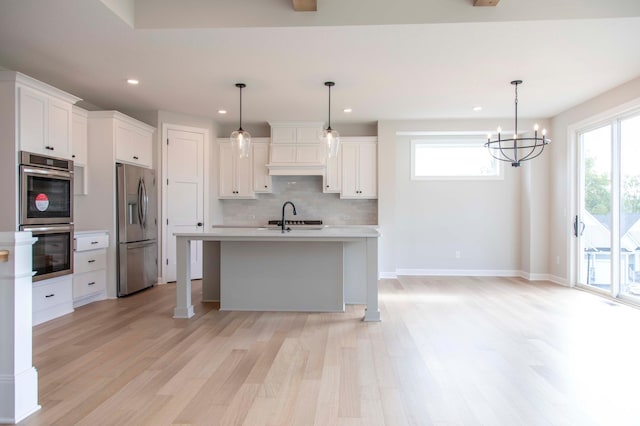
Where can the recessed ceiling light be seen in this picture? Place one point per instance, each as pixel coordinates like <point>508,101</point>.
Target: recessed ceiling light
<point>133,81</point>
<point>477,108</point>
<point>222,111</point>
<point>347,110</point>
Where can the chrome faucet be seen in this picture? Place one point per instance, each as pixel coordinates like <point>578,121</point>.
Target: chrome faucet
<point>282,225</point>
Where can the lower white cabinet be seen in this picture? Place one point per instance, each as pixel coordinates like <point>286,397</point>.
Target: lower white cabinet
<point>90,267</point>
<point>52,298</point>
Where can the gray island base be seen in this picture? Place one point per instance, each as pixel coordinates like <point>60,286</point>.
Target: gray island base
<point>262,269</point>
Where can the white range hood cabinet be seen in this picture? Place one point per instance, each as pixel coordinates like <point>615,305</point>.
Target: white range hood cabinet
<point>296,149</point>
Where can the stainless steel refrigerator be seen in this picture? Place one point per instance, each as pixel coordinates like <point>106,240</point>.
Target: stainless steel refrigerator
<point>137,226</point>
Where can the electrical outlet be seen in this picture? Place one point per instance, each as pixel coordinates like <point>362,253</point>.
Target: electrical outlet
<point>458,254</point>
<point>557,260</point>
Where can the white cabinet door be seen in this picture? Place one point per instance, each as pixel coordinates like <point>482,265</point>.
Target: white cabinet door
<point>79,138</point>
<point>359,170</point>
<point>226,171</point>
<point>44,124</point>
<point>349,171</point>
<point>235,177</point>
<point>59,128</point>
<point>244,177</point>
<point>332,175</point>
<point>261,177</point>
<point>32,121</point>
<point>133,144</point>
<point>367,165</point>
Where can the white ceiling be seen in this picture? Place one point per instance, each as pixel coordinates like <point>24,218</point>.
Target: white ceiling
<point>407,59</point>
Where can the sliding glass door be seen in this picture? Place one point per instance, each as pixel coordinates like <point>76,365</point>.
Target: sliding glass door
<point>630,206</point>
<point>607,224</point>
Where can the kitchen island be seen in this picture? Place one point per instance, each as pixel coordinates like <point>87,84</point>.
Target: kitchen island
<point>263,269</point>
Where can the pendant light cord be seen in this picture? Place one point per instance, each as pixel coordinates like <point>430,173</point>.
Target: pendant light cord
<point>329,108</point>
<point>240,108</point>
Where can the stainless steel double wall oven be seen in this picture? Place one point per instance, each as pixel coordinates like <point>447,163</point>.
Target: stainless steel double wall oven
<point>46,209</point>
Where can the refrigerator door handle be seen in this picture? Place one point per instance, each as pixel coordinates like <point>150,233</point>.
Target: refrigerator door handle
<point>145,203</point>
<point>140,214</point>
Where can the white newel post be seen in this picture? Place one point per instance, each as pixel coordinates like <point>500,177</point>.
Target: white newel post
<point>18,377</point>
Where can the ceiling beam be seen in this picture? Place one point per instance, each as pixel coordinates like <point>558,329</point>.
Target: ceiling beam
<point>305,5</point>
<point>484,2</point>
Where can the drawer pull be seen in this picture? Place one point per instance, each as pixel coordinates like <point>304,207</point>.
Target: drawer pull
<point>91,261</point>
<point>49,295</point>
<point>91,283</point>
<point>135,157</point>
<point>95,242</point>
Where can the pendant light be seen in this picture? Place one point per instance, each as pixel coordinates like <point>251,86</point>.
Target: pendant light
<point>330,137</point>
<point>241,139</point>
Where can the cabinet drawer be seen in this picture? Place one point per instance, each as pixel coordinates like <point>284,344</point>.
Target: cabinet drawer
<point>92,260</point>
<point>91,242</point>
<point>88,283</point>
<point>48,295</point>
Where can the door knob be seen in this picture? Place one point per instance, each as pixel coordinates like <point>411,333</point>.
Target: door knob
<point>199,224</point>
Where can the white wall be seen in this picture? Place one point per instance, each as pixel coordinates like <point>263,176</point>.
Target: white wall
<point>424,223</point>
<point>561,188</point>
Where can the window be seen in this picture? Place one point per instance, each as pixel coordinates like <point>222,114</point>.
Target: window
<point>453,157</point>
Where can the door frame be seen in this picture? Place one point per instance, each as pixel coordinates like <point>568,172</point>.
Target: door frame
<point>205,197</point>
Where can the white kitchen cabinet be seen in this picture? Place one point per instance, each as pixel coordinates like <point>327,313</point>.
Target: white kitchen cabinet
<point>90,267</point>
<point>52,298</point>
<point>79,151</point>
<point>235,177</point>
<point>359,168</point>
<point>134,142</point>
<point>262,182</point>
<point>44,120</point>
<point>79,136</point>
<point>296,144</point>
<point>332,178</point>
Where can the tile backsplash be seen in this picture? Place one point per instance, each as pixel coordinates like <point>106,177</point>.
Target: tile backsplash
<point>311,203</point>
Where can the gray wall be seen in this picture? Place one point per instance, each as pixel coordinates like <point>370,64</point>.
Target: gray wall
<point>424,223</point>
<point>306,193</point>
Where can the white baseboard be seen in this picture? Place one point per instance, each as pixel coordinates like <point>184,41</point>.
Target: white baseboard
<point>460,272</point>
<point>387,275</point>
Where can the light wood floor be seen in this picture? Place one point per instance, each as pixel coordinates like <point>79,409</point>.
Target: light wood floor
<point>449,351</point>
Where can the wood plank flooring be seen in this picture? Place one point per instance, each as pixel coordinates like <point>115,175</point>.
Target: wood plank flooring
<point>449,351</point>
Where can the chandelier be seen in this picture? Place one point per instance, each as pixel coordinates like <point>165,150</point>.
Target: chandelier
<point>518,148</point>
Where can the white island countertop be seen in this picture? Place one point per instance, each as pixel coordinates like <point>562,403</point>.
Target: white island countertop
<point>330,232</point>
<point>265,269</point>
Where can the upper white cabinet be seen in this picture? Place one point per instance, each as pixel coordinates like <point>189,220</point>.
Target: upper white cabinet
<point>79,132</point>
<point>79,136</point>
<point>359,168</point>
<point>134,142</point>
<point>296,148</point>
<point>44,118</point>
<point>262,182</point>
<point>235,177</point>
<point>332,178</point>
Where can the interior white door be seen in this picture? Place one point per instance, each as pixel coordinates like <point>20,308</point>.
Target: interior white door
<point>185,194</point>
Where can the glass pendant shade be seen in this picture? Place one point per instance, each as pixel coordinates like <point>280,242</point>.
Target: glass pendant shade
<point>241,139</point>
<point>241,143</point>
<point>331,139</point>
